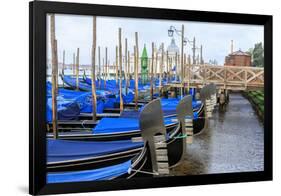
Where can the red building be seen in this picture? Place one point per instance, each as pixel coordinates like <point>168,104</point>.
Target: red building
<point>238,58</point>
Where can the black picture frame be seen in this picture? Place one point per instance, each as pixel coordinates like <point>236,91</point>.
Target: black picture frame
<point>37,96</point>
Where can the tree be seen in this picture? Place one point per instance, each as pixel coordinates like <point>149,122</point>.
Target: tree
<point>257,55</point>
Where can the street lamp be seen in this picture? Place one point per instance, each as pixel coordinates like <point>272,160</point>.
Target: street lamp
<point>173,29</point>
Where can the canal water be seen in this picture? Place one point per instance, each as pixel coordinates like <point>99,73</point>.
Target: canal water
<point>234,142</point>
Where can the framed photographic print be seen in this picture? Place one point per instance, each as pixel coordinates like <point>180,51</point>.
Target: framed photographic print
<point>130,97</point>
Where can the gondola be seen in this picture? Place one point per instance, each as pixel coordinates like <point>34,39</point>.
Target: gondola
<point>126,126</point>
<point>120,170</point>
<point>110,94</point>
<point>77,155</point>
<point>147,162</point>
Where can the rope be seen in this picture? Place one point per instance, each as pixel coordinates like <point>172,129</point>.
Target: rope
<point>83,123</point>
<point>145,172</point>
<point>181,136</point>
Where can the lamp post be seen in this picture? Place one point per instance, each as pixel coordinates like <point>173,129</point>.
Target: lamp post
<point>183,43</point>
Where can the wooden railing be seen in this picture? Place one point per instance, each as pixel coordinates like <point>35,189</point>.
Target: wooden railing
<point>225,77</point>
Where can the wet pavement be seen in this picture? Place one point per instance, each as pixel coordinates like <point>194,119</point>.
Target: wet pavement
<point>232,143</point>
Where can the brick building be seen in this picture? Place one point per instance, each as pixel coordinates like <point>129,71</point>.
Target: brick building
<point>238,58</point>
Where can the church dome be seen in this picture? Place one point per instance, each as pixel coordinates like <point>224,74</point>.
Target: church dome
<point>173,48</point>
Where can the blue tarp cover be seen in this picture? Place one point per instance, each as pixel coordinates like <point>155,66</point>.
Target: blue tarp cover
<point>63,150</point>
<point>123,125</point>
<point>105,173</point>
<point>67,110</point>
<point>83,99</point>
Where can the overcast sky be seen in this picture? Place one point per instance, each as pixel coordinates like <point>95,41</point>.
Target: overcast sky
<point>73,31</point>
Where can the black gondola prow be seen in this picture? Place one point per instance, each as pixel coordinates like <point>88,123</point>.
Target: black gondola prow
<point>185,117</point>
<point>153,131</point>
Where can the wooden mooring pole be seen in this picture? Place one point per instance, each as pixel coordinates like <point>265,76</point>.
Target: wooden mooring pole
<point>77,70</point>
<point>116,66</point>
<point>73,67</point>
<point>100,78</point>
<point>136,69</point>
<point>54,76</point>
<point>161,68</point>
<point>120,69</point>
<point>182,56</point>
<point>94,96</point>
<point>151,73</point>
<point>106,64</point>
<point>63,65</point>
<point>126,66</point>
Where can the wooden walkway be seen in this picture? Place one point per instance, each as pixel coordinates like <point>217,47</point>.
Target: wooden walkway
<point>225,77</point>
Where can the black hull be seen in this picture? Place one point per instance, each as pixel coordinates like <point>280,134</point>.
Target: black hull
<point>95,162</point>
<point>106,137</point>
<point>174,150</point>
<point>199,123</point>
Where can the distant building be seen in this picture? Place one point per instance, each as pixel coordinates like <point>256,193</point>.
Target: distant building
<point>173,49</point>
<point>238,58</point>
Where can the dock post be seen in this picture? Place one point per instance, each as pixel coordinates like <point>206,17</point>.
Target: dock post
<point>77,70</point>
<point>182,56</point>
<point>104,73</point>
<point>106,65</point>
<point>120,70</point>
<point>63,64</point>
<point>161,69</point>
<point>136,69</point>
<point>94,96</point>
<point>54,76</point>
<point>116,66</point>
<point>151,73</point>
<point>99,68</point>
<point>126,66</point>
